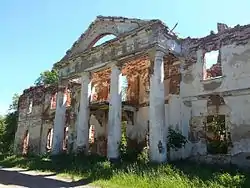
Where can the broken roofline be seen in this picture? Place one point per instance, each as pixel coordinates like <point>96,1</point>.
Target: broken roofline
<point>227,32</point>
<point>147,26</point>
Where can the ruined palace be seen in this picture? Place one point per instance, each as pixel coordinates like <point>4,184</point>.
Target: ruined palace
<point>146,79</point>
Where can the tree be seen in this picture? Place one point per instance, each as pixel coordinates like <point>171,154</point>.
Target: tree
<point>47,77</point>
<point>14,105</point>
<point>8,126</point>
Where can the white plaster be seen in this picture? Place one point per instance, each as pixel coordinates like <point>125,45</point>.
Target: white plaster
<point>157,111</point>
<point>141,124</point>
<point>241,146</point>
<point>175,111</point>
<point>82,139</point>
<point>59,123</point>
<point>235,62</point>
<point>114,118</point>
<point>185,124</point>
<point>173,46</point>
<point>99,130</point>
<point>240,108</point>
<point>199,107</point>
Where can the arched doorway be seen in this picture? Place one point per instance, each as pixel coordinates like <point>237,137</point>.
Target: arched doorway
<point>25,143</point>
<point>65,139</point>
<point>49,140</point>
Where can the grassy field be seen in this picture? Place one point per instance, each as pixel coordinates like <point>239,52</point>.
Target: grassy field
<point>98,171</point>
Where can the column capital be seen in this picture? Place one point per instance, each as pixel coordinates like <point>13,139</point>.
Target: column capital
<point>61,88</point>
<point>86,74</point>
<point>157,52</point>
<point>115,64</point>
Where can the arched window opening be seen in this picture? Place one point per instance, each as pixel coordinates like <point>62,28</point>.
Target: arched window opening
<point>94,93</point>
<point>65,139</point>
<point>102,39</point>
<point>25,143</point>
<point>68,101</point>
<point>30,106</point>
<point>53,101</point>
<point>49,139</point>
<point>91,134</point>
<point>212,65</point>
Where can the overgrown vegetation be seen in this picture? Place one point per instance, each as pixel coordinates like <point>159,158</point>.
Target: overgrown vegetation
<point>47,77</point>
<point>134,170</point>
<point>175,141</point>
<point>8,126</point>
<point>217,139</point>
<point>99,171</point>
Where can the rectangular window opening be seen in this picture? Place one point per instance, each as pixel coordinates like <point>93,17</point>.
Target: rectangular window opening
<point>212,65</point>
<point>216,135</point>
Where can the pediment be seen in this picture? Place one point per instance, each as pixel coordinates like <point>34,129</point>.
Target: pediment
<point>101,27</point>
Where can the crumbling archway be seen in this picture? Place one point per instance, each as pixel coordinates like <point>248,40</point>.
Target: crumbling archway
<point>101,39</point>
<point>103,26</point>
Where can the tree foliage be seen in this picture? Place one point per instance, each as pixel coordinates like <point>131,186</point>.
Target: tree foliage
<point>175,139</point>
<point>47,77</point>
<point>8,126</point>
<point>14,105</point>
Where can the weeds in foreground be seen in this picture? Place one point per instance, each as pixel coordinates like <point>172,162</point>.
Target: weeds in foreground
<point>101,172</point>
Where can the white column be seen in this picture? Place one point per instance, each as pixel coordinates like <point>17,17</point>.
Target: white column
<point>82,140</point>
<point>114,118</point>
<point>157,135</point>
<point>59,122</point>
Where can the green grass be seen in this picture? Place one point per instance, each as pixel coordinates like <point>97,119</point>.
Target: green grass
<point>98,171</point>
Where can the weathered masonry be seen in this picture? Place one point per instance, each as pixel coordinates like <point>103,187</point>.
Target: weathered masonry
<point>148,79</point>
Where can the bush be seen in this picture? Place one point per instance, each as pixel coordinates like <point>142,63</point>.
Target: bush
<point>175,140</point>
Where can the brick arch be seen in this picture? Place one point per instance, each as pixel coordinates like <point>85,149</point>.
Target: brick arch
<point>98,38</point>
<point>94,33</point>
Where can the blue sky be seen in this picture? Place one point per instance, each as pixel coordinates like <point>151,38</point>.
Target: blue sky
<point>36,34</point>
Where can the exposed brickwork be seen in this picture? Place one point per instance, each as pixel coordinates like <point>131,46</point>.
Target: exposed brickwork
<point>239,35</point>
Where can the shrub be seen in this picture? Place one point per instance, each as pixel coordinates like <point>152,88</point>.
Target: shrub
<point>175,140</point>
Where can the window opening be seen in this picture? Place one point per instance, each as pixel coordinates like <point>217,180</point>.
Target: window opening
<point>216,134</point>
<point>212,65</point>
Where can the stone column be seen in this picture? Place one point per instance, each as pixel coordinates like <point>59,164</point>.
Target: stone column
<point>157,133</point>
<point>82,140</point>
<point>59,122</point>
<point>114,117</point>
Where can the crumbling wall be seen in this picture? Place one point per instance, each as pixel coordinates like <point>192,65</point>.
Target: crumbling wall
<point>100,85</point>
<point>144,87</point>
<point>36,115</point>
<point>233,45</point>
<point>74,110</point>
<point>100,133</point>
<point>233,86</point>
<point>240,123</point>
<point>30,109</point>
<point>47,125</point>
